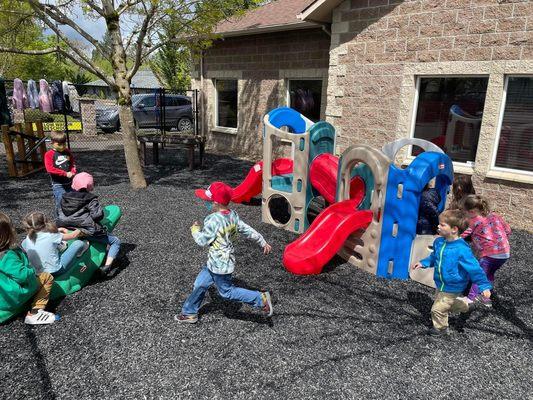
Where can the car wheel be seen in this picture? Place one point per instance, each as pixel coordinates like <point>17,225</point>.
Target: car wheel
<point>184,124</point>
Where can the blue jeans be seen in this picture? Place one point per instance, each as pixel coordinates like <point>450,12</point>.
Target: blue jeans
<point>112,241</point>
<point>58,190</point>
<point>225,287</point>
<point>68,257</point>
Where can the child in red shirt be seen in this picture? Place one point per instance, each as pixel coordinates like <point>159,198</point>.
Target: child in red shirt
<point>59,163</point>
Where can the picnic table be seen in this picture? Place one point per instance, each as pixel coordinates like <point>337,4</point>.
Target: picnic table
<point>190,142</point>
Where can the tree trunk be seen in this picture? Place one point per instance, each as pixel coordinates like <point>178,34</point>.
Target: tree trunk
<point>129,136</point>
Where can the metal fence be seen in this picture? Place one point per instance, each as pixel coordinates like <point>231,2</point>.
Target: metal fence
<point>92,124</point>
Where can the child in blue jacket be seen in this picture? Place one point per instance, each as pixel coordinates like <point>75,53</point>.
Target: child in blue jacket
<point>455,265</point>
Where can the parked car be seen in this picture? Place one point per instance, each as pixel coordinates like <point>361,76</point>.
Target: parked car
<point>147,113</point>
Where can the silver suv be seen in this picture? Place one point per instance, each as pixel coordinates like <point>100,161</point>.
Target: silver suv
<point>147,113</point>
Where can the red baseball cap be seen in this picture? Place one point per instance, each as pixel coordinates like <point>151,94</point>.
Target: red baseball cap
<point>218,192</point>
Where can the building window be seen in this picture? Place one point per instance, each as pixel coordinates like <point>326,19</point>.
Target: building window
<point>305,97</point>
<point>515,141</point>
<point>226,103</point>
<point>449,113</point>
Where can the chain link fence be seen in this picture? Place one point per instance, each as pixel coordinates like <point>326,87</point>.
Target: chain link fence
<point>89,115</point>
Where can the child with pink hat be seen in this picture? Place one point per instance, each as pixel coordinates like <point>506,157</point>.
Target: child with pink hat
<point>80,209</point>
<point>219,231</point>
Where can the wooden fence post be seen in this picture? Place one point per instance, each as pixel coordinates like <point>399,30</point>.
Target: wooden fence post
<point>10,154</point>
<point>21,149</point>
<point>29,131</point>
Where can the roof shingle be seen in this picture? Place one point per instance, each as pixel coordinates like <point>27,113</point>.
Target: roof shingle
<point>279,12</point>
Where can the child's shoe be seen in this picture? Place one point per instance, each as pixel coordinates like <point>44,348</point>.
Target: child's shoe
<point>86,245</point>
<point>62,246</point>
<point>186,319</point>
<point>438,332</point>
<point>267,304</point>
<point>484,301</point>
<point>40,318</point>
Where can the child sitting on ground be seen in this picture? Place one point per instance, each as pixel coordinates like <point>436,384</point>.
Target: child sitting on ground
<point>44,241</point>
<point>219,231</point>
<point>20,280</point>
<point>490,240</point>
<point>428,211</point>
<point>80,209</point>
<point>454,265</point>
<point>59,163</point>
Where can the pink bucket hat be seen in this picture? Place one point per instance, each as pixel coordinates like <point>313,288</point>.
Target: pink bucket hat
<point>83,180</point>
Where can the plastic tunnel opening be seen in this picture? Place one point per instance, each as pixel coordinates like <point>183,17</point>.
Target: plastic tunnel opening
<point>315,207</point>
<point>279,209</point>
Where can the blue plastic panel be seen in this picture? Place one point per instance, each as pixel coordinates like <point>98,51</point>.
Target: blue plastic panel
<point>404,211</point>
<point>285,116</point>
<point>282,183</point>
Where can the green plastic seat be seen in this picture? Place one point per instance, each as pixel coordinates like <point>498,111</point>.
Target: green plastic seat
<point>14,298</point>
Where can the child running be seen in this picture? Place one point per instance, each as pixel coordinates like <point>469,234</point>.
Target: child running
<point>81,210</point>
<point>490,240</point>
<point>19,281</point>
<point>44,241</point>
<point>219,232</point>
<point>59,163</point>
<point>454,266</point>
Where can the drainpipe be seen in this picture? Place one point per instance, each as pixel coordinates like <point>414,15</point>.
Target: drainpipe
<point>202,93</point>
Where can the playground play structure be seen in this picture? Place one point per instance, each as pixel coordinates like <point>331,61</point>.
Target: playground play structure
<point>372,204</point>
<point>30,148</point>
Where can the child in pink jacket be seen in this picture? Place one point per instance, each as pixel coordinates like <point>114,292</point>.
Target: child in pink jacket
<point>490,240</point>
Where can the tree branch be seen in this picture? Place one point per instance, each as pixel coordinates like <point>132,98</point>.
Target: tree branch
<point>140,40</point>
<point>53,12</point>
<point>49,50</point>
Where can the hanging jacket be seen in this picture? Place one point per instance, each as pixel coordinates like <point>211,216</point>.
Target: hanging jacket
<point>58,104</point>
<point>81,210</point>
<point>455,266</point>
<point>5,116</point>
<point>33,94</point>
<point>45,97</point>
<point>66,96</point>
<point>74,98</point>
<point>20,102</point>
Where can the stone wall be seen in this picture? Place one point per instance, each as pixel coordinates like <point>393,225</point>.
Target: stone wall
<point>262,64</point>
<point>379,47</point>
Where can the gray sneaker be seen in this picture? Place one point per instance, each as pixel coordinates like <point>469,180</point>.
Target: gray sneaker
<point>186,319</point>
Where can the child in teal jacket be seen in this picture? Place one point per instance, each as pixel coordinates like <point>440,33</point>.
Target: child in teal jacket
<point>455,265</point>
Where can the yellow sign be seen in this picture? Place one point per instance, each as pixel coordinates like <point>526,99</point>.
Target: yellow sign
<point>60,126</point>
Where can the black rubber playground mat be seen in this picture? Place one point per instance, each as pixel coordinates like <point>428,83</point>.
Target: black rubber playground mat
<point>342,334</point>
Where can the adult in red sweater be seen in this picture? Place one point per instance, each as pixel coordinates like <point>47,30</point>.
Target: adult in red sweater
<point>59,163</point>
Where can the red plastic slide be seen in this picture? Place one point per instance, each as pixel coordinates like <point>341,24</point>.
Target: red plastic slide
<point>323,177</point>
<point>252,185</point>
<point>310,252</point>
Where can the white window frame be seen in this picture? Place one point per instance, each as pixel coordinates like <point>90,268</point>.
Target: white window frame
<point>288,87</point>
<point>217,127</point>
<point>461,167</point>
<point>495,147</point>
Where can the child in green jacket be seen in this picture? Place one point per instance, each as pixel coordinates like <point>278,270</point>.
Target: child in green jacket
<point>18,282</point>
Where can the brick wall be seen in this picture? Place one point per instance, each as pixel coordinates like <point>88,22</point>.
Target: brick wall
<point>261,63</point>
<point>378,47</point>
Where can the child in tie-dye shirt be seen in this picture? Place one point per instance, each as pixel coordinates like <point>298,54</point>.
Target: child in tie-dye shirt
<point>219,230</point>
<point>490,240</point>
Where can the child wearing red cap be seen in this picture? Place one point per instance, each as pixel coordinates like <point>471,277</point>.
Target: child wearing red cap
<point>219,231</point>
